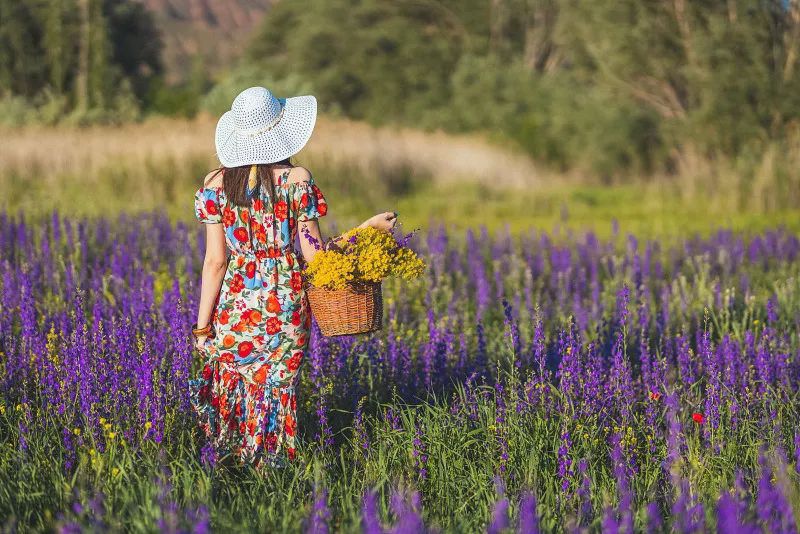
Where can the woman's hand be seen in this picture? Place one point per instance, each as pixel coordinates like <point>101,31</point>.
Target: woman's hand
<point>200,342</point>
<point>382,221</point>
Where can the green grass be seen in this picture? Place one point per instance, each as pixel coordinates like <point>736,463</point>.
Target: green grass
<point>168,186</point>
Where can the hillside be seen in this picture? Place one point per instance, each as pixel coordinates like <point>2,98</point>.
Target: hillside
<point>212,30</point>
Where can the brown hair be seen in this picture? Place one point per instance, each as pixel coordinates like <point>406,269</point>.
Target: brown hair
<point>234,181</point>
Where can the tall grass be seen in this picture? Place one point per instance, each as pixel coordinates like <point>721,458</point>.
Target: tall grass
<point>428,177</point>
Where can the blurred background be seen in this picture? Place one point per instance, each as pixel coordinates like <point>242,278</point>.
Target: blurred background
<point>659,117</point>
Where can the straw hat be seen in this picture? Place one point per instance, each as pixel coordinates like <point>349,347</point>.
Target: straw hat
<point>261,128</point>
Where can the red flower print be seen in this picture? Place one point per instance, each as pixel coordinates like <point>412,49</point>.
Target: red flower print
<point>206,372</point>
<point>211,207</point>
<point>254,317</point>
<point>224,317</point>
<point>322,208</point>
<point>698,418</point>
<point>258,205</point>
<point>273,325</point>
<point>240,234</point>
<point>294,362</point>
<point>260,376</point>
<point>261,254</point>
<point>281,210</point>
<point>295,319</point>
<point>273,306</point>
<point>259,233</point>
<point>245,348</point>
<point>250,269</point>
<point>245,215</point>
<point>294,402</point>
<point>304,200</point>
<point>228,217</point>
<point>284,399</point>
<point>204,392</point>
<point>228,341</point>
<point>297,281</point>
<point>289,424</point>
<point>226,357</point>
<point>237,283</point>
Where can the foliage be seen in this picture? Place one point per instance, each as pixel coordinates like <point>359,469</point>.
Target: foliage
<point>608,88</point>
<point>93,56</point>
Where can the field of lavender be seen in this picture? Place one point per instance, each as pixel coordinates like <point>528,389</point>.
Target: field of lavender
<point>536,382</point>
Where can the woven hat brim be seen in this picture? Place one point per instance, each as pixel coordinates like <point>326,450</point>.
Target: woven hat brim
<point>285,139</point>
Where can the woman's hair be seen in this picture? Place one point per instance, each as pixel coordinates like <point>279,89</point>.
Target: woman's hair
<point>234,181</point>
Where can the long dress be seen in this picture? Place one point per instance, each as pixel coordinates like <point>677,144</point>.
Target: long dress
<point>245,397</point>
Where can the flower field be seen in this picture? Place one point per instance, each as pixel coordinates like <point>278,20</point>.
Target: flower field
<point>536,382</point>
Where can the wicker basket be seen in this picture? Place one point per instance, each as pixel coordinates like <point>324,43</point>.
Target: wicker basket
<point>356,309</point>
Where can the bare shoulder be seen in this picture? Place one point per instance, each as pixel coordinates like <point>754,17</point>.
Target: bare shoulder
<point>213,179</point>
<point>299,174</point>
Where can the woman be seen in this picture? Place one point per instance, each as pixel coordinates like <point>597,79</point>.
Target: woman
<point>253,318</point>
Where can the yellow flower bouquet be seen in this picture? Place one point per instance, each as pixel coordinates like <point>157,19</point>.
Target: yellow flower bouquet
<point>345,279</point>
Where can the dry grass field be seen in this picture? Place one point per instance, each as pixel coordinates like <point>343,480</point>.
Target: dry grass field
<point>429,177</point>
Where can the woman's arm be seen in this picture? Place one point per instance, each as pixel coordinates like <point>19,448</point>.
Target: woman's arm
<point>214,266</point>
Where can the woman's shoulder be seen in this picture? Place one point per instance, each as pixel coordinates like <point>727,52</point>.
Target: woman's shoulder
<point>213,180</point>
<point>299,175</point>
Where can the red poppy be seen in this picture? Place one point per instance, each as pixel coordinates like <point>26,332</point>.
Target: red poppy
<point>240,234</point>
<point>273,325</point>
<point>297,281</point>
<point>655,396</point>
<point>245,348</point>
<point>211,207</point>
<point>291,452</point>
<point>228,217</point>
<point>237,283</point>
<point>698,418</point>
<point>281,210</point>
<point>250,269</point>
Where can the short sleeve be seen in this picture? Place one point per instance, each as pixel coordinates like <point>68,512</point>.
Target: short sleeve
<point>207,205</point>
<point>309,200</point>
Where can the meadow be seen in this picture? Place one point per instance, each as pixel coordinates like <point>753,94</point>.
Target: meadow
<point>462,181</point>
<point>580,356</point>
<point>530,382</point>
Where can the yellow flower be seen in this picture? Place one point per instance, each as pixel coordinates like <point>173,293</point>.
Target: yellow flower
<point>148,425</point>
<point>76,431</point>
<point>102,420</point>
<point>115,471</point>
<point>107,426</point>
<point>112,435</point>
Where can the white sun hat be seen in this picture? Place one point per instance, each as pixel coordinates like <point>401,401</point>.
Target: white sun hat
<point>261,128</point>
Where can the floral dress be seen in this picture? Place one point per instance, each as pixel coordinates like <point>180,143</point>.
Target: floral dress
<point>245,397</point>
